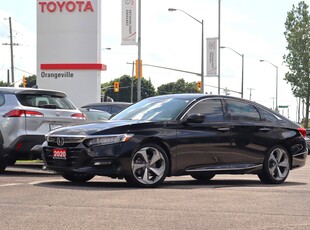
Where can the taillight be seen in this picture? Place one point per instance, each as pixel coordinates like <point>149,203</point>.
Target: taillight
<point>302,131</point>
<point>79,116</point>
<point>23,113</point>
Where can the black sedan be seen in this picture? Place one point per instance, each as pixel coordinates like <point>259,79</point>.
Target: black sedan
<point>184,134</point>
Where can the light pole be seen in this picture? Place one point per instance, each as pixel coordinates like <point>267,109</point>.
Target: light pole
<point>242,71</point>
<point>276,109</point>
<point>202,45</point>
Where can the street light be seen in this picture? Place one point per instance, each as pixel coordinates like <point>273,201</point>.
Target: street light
<point>242,71</point>
<point>202,43</point>
<point>276,82</point>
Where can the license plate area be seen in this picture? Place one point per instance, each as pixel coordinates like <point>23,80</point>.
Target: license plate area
<point>59,154</point>
<point>55,126</point>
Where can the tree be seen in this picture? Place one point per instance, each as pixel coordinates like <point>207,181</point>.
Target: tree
<point>31,81</point>
<point>297,35</point>
<point>177,87</point>
<point>126,83</point>
<point>4,84</point>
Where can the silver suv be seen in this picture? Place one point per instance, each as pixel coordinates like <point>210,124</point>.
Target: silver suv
<point>26,115</point>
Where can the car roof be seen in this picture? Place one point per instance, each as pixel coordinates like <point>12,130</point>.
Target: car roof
<point>15,90</point>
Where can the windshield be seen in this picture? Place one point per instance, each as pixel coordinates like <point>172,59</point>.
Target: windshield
<point>154,109</point>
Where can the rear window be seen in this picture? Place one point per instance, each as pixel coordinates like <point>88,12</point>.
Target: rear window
<point>45,101</point>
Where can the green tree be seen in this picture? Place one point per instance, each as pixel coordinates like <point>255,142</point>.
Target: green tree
<point>4,84</point>
<point>126,84</point>
<point>177,87</point>
<point>31,81</point>
<point>297,35</point>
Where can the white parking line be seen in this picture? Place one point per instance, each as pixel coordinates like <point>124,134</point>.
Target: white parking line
<point>7,185</point>
<point>44,181</point>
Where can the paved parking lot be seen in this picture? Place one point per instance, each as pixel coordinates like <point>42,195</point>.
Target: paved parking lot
<point>35,199</point>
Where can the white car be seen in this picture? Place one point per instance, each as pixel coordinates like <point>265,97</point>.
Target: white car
<point>26,115</point>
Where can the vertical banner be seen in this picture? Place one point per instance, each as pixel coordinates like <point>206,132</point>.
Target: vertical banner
<point>211,57</point>
<point>129,30</point>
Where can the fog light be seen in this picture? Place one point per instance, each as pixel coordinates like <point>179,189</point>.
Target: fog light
<point>104,163</point>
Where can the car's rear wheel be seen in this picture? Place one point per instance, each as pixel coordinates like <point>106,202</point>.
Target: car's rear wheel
<point>276,166</point>
<point>149,166</point>
<point>203,177</point>
<point>77,177</point>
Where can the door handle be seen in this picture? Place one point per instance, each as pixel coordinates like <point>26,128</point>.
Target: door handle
<point>223,129</point>
<point>264,129</point>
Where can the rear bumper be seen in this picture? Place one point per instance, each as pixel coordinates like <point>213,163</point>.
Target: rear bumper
<point>25,147</point>
<point>299,160</point>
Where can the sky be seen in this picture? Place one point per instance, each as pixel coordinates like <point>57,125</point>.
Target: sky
<point>253,28</point>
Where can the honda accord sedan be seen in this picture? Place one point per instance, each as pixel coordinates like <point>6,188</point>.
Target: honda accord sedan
<point>181,134</point>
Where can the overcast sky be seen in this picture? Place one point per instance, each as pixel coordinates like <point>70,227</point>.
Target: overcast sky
<point>172,39</point>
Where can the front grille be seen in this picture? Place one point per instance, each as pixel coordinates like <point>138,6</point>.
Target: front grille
<point>75,158</point>
<point>64,141</point>
<point>67,139</point>
<point>66,145</point>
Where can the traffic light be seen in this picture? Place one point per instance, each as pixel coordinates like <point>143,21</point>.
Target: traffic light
<point>24,81</point>
<point>198,86</point>
<point>137,67</point>
<point>116,87</point>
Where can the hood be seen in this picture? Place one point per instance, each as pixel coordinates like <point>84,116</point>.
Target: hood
<point>106,127</point>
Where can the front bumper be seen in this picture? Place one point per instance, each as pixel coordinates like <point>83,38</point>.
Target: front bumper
<point>101,161</point>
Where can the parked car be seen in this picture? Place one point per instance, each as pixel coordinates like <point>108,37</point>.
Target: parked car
<point>308,140</point>
<point>181,134</point>
<point>93,115</point>
<point>110,107</point>
<point>26,115</point>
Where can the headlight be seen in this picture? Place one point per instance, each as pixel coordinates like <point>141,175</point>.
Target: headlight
<point>108,139</point>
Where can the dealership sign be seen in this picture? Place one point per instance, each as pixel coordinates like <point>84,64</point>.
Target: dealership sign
<point>66,6</point>
<point>68,48</point>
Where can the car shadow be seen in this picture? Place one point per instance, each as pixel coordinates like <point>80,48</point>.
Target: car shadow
<point>170,184</point>
<point>183,182</point>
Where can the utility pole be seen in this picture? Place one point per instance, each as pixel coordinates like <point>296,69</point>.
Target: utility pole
<point>250,92</point>
<point>11,44</point>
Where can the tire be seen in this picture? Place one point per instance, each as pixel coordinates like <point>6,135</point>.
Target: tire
<point>3,165</point>
<point>276,166</point>
<point>77,177</point>
<point>149,166</point>
<point>203,177</point>
<point>11,161</point>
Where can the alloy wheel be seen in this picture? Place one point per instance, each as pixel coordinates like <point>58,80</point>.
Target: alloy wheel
<point>149,166</point>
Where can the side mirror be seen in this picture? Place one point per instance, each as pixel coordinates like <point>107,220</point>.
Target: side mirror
<point>196,118</point>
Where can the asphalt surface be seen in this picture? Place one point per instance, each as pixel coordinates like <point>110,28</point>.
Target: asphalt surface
<point>31,198</point>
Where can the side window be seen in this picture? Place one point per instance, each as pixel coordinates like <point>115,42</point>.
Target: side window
<point>211,108</point>
<point>115,109</point>
<point>102,107</point>
<point>268,117</point>
<point>2,99</point>
<point>240,111</point>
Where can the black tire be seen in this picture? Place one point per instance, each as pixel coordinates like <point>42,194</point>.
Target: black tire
<point>3,165</point>
<point>149,166</point>
<point>276,166</point>
<point>11,161</point>
<point>203,177</point>
<point>77,177</point>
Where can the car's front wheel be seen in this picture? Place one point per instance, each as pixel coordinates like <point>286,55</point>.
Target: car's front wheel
<point>149,166</point>
<point>77,177</point>
<point>276,166</point>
